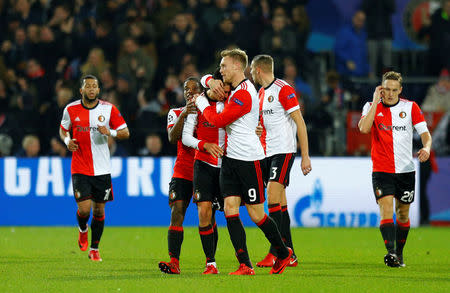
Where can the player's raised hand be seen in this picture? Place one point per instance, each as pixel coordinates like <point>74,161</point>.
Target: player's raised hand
<point>377,94</point>
<point>306,165</point>
<point>103,129</point>
<point>190,107</point>
<point>215,150</point>
<point>72,145</point>
<point>423,154</point>
<point>216,87</point>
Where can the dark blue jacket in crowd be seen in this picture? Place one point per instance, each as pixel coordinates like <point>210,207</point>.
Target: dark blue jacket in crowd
<point>351,45</point>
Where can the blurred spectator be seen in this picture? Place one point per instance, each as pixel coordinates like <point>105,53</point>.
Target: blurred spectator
<point>153,146</point>
<point>182,37</point>
<point>127,102</point>
<point>302,27</point>
<point>30,147</point>
<point>351,48</point>
<point>438,95</point>
<point>142,31</point>
<point>164,14</point>
<point>292,77</point>
<point>213,14</point>
<point>106,40</point>
<point>278,42</point>
<point>437,29</point>
<point>224,35</point>
<point>96,63</point>
<point>6,144</point>
<point>379,32</point>
<point>23,9</point>
<point>108,84</point>
<point>134,63</point>
<point>115,149</point>
<point>172,94</point>
<point>39,80</point>
<point>58,148</point>
<point>151,117</point>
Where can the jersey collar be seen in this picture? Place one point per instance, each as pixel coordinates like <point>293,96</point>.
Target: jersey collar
<point>233,88</point>
<point>270,84</point>
<point>389,106</point>
<point>98,102</point>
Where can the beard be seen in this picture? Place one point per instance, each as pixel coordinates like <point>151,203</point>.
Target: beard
<point>86,97</point>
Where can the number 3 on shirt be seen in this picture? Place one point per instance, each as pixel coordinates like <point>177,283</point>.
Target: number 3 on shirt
<point>274,173</point>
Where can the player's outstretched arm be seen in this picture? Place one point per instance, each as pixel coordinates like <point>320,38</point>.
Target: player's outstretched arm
<point>424,153</point>
<point>302,134</point>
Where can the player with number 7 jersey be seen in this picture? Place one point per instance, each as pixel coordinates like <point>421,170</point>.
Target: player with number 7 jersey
<point>90,121</point>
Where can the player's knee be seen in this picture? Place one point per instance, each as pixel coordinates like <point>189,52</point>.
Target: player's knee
<point>84,212</point>
<point>402,216</point>
<point>98,212</point>
<point>205,214</point>
<point>177,217</point>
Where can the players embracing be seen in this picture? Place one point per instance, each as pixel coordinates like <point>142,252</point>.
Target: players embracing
<point>241,175</point>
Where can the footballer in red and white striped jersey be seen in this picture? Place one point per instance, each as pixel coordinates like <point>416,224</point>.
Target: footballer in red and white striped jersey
<point>392,134</point>
<point>240,118</point>
<point>92,157</point>
<point>206,133</point>
<point>184,164</point>
<point>276,102</point>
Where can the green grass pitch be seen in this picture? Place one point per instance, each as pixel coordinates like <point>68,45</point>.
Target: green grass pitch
<point>47,259</point>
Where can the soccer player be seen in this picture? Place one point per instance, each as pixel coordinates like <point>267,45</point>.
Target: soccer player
<point>91,122</point>
<point>391,121</point>
<point>208,146</point>
<point>180,187</point>
<point>282,121</point>
<point>241,177</point>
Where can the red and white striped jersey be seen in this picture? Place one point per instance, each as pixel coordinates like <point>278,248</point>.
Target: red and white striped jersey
<point>392,135</point>
<point>206,132</point>
<point>276,102</point>
<point>184,164</point>
<point>92,157</point>
<point>239,118</point>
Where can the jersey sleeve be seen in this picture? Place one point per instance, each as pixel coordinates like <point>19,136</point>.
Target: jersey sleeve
<point>171,118</point>
<point>205,79</point>
<point>239,105</point>
<point>288,99</point>
<point>66,123</point>
<point>116,120</point>
<point>187,137</point>
<point>418,120</point>
<point>366,109</point>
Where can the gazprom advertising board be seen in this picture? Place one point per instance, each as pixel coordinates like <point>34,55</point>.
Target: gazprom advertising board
<point>337,193</point>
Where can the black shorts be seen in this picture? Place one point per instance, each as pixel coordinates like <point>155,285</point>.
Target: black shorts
<point>206,182</point>
<point>278,168</point>
<point>97,188</point>
<point>400,185</point>
<point>242,178</point>
<point>179,189</point>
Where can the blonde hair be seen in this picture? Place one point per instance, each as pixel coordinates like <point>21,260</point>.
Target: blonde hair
<point>237,55</point>
<point>392,75</point>
<point>28,140</point>
<point>265,62</point>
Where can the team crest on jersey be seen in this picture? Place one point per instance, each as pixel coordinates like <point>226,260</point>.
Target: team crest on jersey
<point>197,195</point>
<point>270,99</point>
<point>378,192</point>
<point>402,114</point>
<point>172,195</point>
<point>101,118</point>
<point>77,194</point>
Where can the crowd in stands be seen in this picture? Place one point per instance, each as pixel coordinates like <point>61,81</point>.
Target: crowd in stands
<point>142,51</point>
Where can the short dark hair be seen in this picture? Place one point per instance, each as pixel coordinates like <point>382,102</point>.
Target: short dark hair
<point>217,75</point>
<point>89,76</point>
<point>194,79</point>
